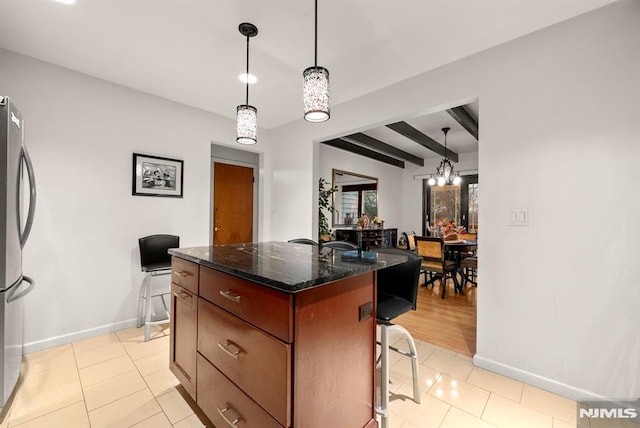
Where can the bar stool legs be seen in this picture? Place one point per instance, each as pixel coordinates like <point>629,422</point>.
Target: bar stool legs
<point>387,330</point>
<point>144,304</point>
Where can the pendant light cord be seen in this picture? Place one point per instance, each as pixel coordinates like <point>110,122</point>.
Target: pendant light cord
<point>315,59</point>
<point>247,85</point>
<point>446,152</point>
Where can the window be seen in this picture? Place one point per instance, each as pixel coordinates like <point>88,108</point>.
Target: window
<point>359,199</point>
<point>457,203</point>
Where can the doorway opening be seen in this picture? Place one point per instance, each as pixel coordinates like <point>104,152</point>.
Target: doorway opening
<point>450,322</point>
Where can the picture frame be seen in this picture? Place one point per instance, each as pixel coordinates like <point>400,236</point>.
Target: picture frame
<point>157,176</point>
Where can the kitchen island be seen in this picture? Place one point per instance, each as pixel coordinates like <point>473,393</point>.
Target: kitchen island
<point>276,334</point>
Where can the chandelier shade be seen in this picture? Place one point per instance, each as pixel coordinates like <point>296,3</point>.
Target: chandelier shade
<point>315,86</point>
<point>246,124</point>
<point>247,115</point>
<point>315,92</point>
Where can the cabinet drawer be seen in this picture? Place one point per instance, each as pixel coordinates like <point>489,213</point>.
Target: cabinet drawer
<point>185,274</point>
<point>261,306</point>
<point>255,361</point>
<point>223,402</point>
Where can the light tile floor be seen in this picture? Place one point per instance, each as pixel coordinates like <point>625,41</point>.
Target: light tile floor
<point>117,380</point>
<point>456,394</point>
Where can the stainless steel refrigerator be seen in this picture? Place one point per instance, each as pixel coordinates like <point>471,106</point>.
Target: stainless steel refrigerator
<point>17,192</point>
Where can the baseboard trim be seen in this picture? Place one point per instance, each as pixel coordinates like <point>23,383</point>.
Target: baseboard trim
<point>75,336</point>
<point>533,379</point>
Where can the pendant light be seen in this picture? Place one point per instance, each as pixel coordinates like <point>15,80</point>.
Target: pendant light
<point>315,86</point>
<point>247,115</point>
<point>444,173</point>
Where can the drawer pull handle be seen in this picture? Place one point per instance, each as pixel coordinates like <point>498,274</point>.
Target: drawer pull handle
<point>234,353</point>
<point>234,297</point>
<point>182,273</point>
<point>232,423</point>
<point>184,296</point>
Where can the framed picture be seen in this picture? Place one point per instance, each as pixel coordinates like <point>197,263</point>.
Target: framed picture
<point>156,176</point>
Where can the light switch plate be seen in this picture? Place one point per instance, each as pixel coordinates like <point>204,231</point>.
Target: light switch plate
<point>518,217</point>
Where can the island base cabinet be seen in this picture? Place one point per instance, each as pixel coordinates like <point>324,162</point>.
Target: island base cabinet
<point>255,357</point>
<point>334,359</point>
<point>184,330</point>
<point>226,405</point>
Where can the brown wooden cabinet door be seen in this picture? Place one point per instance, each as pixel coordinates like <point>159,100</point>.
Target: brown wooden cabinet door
<point>184,321</point>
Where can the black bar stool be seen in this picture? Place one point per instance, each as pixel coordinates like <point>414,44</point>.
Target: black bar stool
<point>397,293</point>
<point>154,261</point>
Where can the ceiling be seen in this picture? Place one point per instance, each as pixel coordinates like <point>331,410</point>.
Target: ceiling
<point>190,51</point>
<point>404,142</point>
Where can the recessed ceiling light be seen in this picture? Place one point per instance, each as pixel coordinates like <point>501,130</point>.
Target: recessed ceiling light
<point>65,1</point>
<point>252,79</point>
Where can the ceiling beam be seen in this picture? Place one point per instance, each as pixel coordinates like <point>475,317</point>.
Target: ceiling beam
<point>363,151</point>
<point>464,118</point>
<point>374,143</point>
<point>403,128</point>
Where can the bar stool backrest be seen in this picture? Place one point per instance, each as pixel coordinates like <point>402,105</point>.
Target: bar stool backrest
<point>306,241</point>
<point>340,245</point>
<point>400,280</point>
<point>153,251</point>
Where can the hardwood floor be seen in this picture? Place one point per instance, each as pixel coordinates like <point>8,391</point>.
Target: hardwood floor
<point>448,322</point>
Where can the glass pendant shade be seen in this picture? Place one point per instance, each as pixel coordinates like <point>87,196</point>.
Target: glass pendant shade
<point>315,92</point>
<point>246,124</point>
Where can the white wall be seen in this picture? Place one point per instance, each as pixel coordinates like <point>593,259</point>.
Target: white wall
<point>558,135</point>
<point>83,250</point>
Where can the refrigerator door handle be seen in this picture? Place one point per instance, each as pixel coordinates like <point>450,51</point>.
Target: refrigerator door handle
<point>32,197</point>
<point>15,296</point>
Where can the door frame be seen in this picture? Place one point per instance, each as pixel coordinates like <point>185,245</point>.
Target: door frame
<point>233,156</point>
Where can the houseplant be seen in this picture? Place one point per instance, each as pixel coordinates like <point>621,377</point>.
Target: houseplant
<point>324,203</point>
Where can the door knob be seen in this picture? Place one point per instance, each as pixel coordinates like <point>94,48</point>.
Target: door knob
<point>215,229</point>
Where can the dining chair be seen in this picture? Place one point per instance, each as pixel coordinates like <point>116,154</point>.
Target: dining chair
<point>431,249</point>
<point>410,239</point>
<point>469,270</point>
<point>397,293</point>
<point>154,261</point>
<point>468,236</point>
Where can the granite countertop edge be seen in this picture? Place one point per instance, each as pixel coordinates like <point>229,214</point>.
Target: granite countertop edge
<point>355,269</point>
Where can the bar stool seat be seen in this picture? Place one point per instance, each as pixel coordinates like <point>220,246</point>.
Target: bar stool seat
<point>154,261</point>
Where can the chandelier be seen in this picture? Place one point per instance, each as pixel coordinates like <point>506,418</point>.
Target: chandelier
<point>315,86</point>
<point>246,118</point>
<point>444,173</point>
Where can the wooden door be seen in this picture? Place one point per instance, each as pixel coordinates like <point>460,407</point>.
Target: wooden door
<point>232,204</point>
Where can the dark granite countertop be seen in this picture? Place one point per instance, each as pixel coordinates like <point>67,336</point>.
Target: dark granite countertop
<point>286,266</point>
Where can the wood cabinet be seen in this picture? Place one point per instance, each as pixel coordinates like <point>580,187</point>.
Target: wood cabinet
<point>369,239</point>
<point>184,325</point>
<point>271,358</point>
<point>184,322</point>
